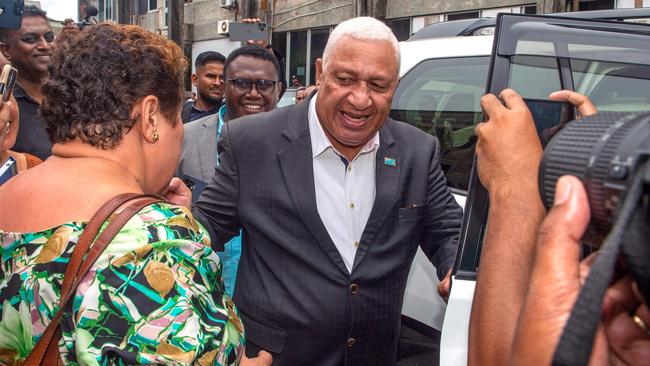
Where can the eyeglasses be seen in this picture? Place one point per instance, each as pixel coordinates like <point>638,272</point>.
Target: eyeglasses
<point>244,86</point>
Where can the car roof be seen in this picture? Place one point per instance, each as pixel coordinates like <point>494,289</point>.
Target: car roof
<point>467,27</point>
<point>413,52</point>
<point>462,27</point>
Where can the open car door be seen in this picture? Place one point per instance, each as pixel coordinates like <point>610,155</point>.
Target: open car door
<point>536,55</point>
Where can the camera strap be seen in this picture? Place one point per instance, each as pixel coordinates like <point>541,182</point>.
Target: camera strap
<point>577,339</point>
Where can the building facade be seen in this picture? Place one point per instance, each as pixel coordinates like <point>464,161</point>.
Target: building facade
<point>300,28</point>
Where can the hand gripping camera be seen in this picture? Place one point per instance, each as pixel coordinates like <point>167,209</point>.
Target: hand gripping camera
<point>610,153</point>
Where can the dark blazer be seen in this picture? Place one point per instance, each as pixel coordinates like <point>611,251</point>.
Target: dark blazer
<point>294,293</point>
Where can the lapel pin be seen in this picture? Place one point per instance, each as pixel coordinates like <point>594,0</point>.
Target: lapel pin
<point>390,161</point>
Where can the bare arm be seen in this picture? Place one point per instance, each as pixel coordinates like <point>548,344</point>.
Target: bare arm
<point>508,154</point>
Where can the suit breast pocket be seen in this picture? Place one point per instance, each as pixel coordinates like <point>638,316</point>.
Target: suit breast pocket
<point>411,213</point>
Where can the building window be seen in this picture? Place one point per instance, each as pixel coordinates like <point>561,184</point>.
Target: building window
<point>593,5</point>
<point>298,56</point>
<point>464,15</point>
<point>301,49</point>
<point>319,39</point>
<point>279,43</point>
<point>105,10</point>
<point>530,9</point>
<point>401,28</point>
<point>153,5</point>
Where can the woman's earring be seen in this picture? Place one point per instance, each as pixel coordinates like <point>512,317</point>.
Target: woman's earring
<point>155,136</point>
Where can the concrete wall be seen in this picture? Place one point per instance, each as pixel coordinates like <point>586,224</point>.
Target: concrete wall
<point>409,8</point>
<point>301,14</point>
<point>204,16</point>
<point>223,45</point>
<point>201,16</point>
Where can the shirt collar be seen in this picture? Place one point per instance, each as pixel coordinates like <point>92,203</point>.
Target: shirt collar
<point>319,140</point>
<point>21,93</point>
<point>211,111</point>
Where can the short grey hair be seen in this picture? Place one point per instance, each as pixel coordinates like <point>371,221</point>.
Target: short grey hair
<point>363,29</point>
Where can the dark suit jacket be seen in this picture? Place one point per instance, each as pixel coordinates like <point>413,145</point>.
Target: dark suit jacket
<point>186,112</point>
<point>294,293</point>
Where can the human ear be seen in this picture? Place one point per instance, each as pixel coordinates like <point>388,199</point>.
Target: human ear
<point>4,48</point>
<point>319,71</point>
<point>149,114</point>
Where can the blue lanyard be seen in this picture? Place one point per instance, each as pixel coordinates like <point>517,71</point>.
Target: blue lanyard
<point>221,114</point>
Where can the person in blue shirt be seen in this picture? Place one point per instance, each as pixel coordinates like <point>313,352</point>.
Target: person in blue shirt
<point>252,85</point>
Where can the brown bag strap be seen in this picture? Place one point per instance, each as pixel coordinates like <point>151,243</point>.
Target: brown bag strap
<point>84,255</point>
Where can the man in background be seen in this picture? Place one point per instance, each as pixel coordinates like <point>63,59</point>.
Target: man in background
<point>208,81</point>
<point>251,86</point>
<point>28,49</point>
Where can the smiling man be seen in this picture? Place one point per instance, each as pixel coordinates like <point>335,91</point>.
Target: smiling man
<point>28,49</point>
<point>332,198</point>
<point>251,86</point>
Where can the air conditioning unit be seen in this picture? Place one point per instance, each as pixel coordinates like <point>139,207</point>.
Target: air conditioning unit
<point>223,27</point>
<point>228,3</point>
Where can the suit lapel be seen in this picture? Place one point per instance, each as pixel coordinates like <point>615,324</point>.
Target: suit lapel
<point>297,169</point>
<point>387,175</point>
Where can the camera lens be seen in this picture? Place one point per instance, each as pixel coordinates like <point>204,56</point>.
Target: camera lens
<point>604,151</point>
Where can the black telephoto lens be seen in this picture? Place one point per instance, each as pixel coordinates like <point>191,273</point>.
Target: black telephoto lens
<point>605,151</point>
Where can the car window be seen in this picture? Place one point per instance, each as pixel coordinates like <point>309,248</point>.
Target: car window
<point>613,86</point>
<point>441,97</point>
<point>534,76</point>
<point>607,61</point>
<point>288,98</point>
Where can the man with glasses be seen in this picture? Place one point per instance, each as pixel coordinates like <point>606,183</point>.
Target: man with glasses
<point>28,49</point>
<point>252,86</point>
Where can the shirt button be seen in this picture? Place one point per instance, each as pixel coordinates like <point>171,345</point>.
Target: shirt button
<point>349,168</point>
<point>354,288</point>
<point>356,243</point>
<point>350,342</point>
<point>351,205</point>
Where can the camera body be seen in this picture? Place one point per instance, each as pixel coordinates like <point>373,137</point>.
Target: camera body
<point>605,151</point>
<point>11,13</point>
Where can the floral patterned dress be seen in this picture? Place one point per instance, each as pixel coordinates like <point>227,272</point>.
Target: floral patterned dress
<point>154,296</point>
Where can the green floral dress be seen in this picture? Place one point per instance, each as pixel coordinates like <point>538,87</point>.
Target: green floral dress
<point>154,296</point>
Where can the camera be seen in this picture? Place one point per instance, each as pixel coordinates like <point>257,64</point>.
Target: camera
<point>605,151</point>
<point>11,13</point>
<point>609,152</point>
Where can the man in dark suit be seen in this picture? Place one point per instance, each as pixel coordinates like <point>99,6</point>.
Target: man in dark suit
<point>333,198</point>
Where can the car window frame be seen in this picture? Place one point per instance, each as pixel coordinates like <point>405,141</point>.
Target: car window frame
<point>505,41</point>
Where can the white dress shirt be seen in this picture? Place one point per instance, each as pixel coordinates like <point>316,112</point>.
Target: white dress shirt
<point>344,194</point>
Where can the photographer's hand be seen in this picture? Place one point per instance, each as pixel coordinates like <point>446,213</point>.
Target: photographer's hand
<point>508,153</point>
<point>556,279</point>
<point>508,148</point>
<point>583,105</point>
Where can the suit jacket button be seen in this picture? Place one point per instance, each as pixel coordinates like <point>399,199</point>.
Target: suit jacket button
<point>354,288</point>
<point>350,342</point>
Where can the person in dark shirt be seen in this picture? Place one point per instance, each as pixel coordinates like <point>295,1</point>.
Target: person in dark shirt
<point>208,80</point>
<point>28,49</point>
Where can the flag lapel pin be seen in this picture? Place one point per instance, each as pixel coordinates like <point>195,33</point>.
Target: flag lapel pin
<point>390,161</point>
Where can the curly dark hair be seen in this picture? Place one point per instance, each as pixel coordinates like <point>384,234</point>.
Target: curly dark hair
<point>98,75</point>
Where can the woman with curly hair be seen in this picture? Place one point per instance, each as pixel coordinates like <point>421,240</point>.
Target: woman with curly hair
<point>154,295</point>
